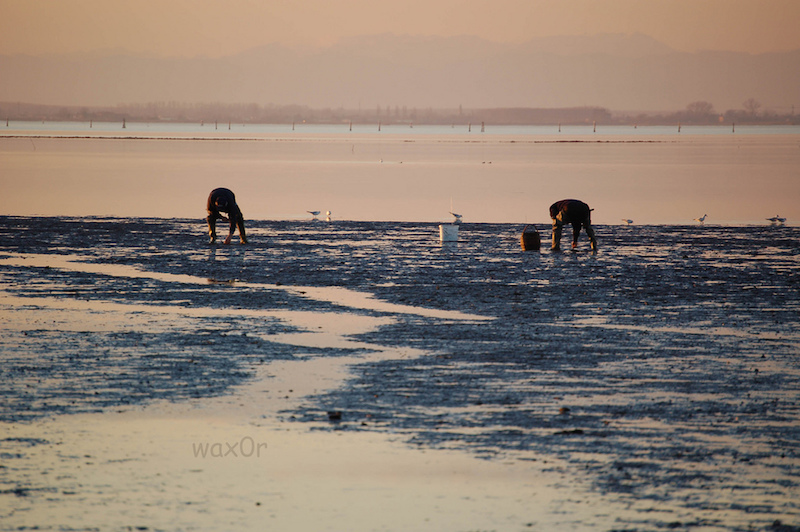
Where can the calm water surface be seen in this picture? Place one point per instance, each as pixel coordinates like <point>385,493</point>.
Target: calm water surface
<point>651,175</point>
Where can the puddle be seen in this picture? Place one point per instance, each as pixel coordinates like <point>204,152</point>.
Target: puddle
<point>338,295</point>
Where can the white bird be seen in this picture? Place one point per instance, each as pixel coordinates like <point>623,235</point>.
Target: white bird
<point>776,219</point>
<point>702,219</point>
<point>328,216</point>
<point>457,218</point>
<point>313,213</point>
<point>627,221</point>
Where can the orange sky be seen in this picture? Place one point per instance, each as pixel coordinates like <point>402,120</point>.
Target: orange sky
<point>221,27</point>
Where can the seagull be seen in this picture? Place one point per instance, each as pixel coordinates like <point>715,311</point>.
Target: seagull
<point>457,218</point>
<point>777,219</point>
<point>627,221</point>
<point>313,213</point>
<point>701,219</point>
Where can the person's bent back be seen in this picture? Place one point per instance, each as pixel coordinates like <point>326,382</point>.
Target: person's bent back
<point>575,212</point>
<point>223,200</point>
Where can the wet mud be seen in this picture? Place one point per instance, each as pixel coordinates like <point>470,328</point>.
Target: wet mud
<point>665,366</point>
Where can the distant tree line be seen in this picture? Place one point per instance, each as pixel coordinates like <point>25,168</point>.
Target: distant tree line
<point>696,113</point>
<point>703,113</point>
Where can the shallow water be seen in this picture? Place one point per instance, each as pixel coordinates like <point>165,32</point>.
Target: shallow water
<point>651,177</point>
<point>662,370</point>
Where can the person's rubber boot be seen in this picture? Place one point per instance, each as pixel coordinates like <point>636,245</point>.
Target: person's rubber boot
<point>592,238</point>
<point>556,239</point>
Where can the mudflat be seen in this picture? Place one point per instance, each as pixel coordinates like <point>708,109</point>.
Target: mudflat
<point>361,376</point>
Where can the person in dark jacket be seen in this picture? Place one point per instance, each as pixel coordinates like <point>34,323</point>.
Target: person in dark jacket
<point>577,213</point>
<point>223,200</point>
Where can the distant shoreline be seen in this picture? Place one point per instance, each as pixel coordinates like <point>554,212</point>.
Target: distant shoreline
<point>221,114</point>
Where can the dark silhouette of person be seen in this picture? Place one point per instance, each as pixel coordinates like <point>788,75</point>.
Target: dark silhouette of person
<point>577,213</point>
<point>223,200</point>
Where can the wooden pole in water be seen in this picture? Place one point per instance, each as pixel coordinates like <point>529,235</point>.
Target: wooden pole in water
<point>379,125</point>
<point>733,128</point>
<point>469,127</point>
<point>483,129</point>
<point>123,124</point>
<point>594,127</point>
<point>559,127</point>
<point>351,125</point>
<point>679,127</point>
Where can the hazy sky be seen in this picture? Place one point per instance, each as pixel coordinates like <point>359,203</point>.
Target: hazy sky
<point>221,27</point>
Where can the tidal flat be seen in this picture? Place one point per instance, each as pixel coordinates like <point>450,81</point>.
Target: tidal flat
<point>364,376</point>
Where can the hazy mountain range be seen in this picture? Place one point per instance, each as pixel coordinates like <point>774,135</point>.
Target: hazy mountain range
<point>620,72</point>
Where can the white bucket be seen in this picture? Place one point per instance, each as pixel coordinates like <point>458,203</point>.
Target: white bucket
<point>448,233</point>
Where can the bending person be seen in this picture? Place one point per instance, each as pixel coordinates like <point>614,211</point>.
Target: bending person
<point>223,200</point>
<point>577,213</point>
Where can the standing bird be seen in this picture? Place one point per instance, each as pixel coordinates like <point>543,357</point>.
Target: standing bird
<point>627,221</point>
<point>701,220</point>
<point>457,218</point>
<point>313,213</point>
<point>776,219</point>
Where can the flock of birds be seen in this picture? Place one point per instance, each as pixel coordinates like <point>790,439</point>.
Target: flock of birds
<point>775,220</point>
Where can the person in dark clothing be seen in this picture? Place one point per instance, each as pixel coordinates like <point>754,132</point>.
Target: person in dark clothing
<point>223,200</point>
<point>577,213</point>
